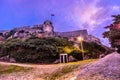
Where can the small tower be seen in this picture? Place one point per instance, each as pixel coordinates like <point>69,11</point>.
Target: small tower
<point>48,29</point>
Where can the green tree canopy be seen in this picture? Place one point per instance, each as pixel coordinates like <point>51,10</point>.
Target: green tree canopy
<point>113,34</point>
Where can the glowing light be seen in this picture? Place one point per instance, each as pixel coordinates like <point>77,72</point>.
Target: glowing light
<point>80,39</point>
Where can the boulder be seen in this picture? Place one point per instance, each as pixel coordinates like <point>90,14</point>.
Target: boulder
<point>5,58</point>
<point>12,60</point>
<point>71,59</point>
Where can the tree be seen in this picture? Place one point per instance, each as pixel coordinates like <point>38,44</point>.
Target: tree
<point>113,34</point>
<point>92,49</point>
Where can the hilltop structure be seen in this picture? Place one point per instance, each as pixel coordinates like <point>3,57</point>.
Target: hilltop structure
<point>45,30</point>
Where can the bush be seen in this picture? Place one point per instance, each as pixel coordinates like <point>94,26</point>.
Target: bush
<point>37,50</point>
<point>46,50</point>
<point>76,54</point>
<point>92,49</point>
<point>33,54</point>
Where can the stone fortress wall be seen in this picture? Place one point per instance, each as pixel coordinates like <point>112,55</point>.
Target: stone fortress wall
<point>46,30</point>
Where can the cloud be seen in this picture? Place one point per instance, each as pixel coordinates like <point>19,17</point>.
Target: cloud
<point>83,13</point>
<point>90,15</point>
<point>116,7</point>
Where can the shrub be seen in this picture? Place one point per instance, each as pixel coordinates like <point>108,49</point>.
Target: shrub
<point>76,54</point>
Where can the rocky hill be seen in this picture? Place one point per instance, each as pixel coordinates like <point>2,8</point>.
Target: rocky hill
<point>46,30</point>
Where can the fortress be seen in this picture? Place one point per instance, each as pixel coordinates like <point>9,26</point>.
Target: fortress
<point>45,30</point>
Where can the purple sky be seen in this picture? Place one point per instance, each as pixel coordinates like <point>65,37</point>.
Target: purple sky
<point>70,15</point>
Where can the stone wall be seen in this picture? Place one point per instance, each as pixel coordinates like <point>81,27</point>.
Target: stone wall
<point>47,30</point>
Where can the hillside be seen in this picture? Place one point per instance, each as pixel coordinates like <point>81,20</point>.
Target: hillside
<point>107,68</point>
<point>46,29</point>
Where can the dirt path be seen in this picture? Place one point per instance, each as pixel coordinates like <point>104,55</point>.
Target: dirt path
<point>32,75</point>
<point>27,65</point>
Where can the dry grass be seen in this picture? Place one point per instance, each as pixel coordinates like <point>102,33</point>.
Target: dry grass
<point>60,72</point>
<point>5,69</point>
<point>65,69</point>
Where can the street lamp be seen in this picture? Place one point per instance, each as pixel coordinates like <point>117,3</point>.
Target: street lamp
<point>80,39</point>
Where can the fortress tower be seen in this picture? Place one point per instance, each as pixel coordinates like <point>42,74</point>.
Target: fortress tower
<point>48,29</point>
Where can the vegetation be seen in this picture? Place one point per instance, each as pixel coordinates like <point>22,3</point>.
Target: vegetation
<point>93,50</point>
<point>77,54</point>
<point>61,72</point>
<point>4,69</point>
<point>42,50</point>
<point>70,67</point>
<point>113,34</point>
<point>41,72</point>
<point>46,50</point>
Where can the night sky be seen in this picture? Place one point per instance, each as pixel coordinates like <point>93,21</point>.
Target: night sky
<point>70,15</point>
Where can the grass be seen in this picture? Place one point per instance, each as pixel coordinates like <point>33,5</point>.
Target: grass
<point>65,68</point>
<point>60,72</point>
<point>69,67</point>
<point>83,62</point>
<point>10,69</point>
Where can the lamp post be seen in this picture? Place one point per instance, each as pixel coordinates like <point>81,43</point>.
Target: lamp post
<point>80,39</point>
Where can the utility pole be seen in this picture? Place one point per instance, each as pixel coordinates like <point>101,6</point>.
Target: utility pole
<point>80,39</point>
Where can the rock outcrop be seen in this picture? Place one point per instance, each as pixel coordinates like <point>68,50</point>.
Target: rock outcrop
<point>44,30</point>
<point>107,68</point>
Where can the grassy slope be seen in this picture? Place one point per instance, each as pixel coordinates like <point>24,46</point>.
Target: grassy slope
<point>46,72</point>
<point>66,69</point>
<point>7,69</point>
